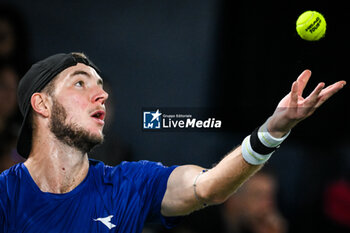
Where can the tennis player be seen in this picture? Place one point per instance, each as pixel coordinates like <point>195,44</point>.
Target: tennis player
<point>58,189</point>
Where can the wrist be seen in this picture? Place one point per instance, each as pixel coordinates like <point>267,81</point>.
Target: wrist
<point>277,134</point>
<point>258,147</point>
<point>271,138</point>
<point>272,128</point>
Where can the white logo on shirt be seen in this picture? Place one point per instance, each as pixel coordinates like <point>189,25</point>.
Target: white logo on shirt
<point>106,221</point>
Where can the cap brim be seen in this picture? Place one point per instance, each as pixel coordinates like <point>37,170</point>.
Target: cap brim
<point>24,143</point>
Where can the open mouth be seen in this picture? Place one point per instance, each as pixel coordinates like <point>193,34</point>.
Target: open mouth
<point>99,115</point>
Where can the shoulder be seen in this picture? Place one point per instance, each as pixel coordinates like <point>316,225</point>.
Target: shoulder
<point>140,168</point>
<point>143,169</point>
<point>10,176</point>
<point>9,180</point>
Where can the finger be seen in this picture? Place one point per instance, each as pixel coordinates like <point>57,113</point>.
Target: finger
<point>334,87</point>
<point>294,95</point>
<point>329,91</point>
<point>311,100</point>
<point>302,81</point>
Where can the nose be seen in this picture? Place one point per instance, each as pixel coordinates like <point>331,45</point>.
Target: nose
<point>101,96</point>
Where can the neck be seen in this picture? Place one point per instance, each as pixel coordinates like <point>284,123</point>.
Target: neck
<point>56,167</point>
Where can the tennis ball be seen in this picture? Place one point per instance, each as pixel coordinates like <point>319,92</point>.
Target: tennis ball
<point>311,25</point>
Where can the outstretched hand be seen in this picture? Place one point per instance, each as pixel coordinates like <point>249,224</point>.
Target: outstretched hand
<point>293,108</point>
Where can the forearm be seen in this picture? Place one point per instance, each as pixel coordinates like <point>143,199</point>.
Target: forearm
<point>188,189</point>
<point>212,187</point>
<point>218,183</point>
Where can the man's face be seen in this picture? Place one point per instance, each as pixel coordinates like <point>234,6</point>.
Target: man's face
<point>78,110</point>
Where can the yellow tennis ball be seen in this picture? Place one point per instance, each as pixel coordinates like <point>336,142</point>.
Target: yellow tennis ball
<point>311,25</point>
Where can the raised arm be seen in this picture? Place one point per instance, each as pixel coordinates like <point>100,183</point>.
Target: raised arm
<point>190,189</point>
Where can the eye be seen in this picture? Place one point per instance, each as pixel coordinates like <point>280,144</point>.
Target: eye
<point>79,84</point>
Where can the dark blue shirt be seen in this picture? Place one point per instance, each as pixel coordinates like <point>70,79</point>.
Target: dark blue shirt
<point>110,199</point>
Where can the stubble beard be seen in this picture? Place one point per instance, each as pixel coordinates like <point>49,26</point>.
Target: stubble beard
<point>70,133</point>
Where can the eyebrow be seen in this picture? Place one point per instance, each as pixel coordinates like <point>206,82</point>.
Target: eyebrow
<point>82,72</point>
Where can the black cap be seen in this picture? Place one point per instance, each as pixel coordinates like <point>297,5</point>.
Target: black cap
<point>37,77</point>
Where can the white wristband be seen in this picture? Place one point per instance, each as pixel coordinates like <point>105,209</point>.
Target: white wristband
<point>267,139</point>
<point>250,156</point>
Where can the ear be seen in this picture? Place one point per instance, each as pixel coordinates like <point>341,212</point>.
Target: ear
<point>40,104</point>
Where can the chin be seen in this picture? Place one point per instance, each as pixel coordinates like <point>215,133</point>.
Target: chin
<point>101,137</point>
<point>98,133</point>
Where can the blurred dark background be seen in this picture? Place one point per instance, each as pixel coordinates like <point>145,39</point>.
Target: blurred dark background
<point>237,56</point>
